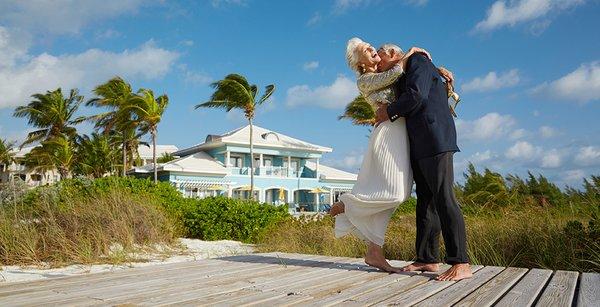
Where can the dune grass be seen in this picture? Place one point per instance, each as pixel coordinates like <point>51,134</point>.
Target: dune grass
<point>553,238</point>
<point>52,229</point>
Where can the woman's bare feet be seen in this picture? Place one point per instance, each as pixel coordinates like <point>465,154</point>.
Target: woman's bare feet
<point>423,267</point>
<point>456,272</point>
<point>336,208</point>
<point>375,258</point>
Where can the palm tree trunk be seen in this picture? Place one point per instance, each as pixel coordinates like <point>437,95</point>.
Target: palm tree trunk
<point>153,132</point>
<point>124,154</point>
<point>251,161</point>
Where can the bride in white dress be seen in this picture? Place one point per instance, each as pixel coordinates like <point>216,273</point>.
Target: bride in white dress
<point>385,177</point>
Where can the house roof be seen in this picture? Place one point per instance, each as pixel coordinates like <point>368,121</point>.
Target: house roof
<point>261,137</point>
<point>145,152</point>
<point>330,173</point>
<point>21,152</point>
<point>199,162</point>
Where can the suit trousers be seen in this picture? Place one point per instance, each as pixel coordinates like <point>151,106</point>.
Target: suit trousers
<point>438,210</point>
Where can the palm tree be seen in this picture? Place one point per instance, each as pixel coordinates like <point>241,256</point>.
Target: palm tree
<point>7,155</point>
<point>53,115</point>
<point>148,111</point>
<point>360,112</point>
<point>165,158</point>
<point>116,94</point>
<point>56,153</point>
<point>234,92</point>
<point>96,154</point>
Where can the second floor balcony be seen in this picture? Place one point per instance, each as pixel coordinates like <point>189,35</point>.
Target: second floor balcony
<point>272,171</point>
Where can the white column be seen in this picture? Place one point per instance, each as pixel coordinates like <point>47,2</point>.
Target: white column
<point>289,160</point>
<point>260,161</point>
<point>228,158</point>
<point>317,199</point>
<point>331,197</point>
<point>317,168</point>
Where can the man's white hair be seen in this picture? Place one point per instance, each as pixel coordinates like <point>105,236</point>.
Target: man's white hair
<point>351,54</point>
<point>389,47</point>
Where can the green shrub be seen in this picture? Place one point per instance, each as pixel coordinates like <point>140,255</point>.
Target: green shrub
<point>217,218</point>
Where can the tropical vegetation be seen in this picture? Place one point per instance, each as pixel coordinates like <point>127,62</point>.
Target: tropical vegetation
<point>124,118</point>
<point>234,92</point>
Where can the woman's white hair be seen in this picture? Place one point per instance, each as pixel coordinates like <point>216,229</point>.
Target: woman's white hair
<point>351,54</point>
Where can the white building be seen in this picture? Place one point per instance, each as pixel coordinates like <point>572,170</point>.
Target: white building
<point>18,170</point>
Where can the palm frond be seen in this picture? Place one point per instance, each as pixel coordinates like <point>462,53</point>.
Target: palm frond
<point>360,112</point>
<point>269,90</point>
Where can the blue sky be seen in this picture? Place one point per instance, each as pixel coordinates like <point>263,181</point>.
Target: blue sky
<point>528,70</point>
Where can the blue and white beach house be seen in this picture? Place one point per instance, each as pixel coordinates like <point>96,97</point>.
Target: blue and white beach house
<point>286,170</point>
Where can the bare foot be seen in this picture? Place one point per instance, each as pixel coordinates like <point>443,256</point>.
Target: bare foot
<point>375,258</point>
<point>382,265</point>
<point>456,272</point>
<point>337,208</point>
<point>423,267</point>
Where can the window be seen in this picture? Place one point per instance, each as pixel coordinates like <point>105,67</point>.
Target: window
<point>257,161</point>
<point>237,161</point>
<point>294,165</point>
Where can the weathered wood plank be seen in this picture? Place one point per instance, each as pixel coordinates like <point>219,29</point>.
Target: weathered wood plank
<point>211,286</point>
<point>491,291</point>
<point>237,297</point>
<point>381,294</point>
<point>560,290</point>
<point>323,290</point>
<point>457,291</point>
<point>527,289</point>
<point>221,275</point>
<point>292,290</point>
<point>350,293</point>
<point>98,277</point>
<point>422,292</point>
<point>120,285</point>
<point>589,290</point>
<point>219,291</point>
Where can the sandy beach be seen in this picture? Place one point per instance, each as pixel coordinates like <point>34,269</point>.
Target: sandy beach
<point>192,250</point>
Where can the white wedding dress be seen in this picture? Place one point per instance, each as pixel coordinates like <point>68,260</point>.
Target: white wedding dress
<point>385,177</point>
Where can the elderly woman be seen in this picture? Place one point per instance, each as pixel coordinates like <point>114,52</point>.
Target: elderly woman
<point>385,177</point>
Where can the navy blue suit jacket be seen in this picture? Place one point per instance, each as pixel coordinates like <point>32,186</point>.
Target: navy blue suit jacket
<point>421,98</point>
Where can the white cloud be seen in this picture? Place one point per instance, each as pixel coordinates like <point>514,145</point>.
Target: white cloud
<point>551,159</point>
<point>547,132</point>
<point>524,151</point>
<point>588,156</point>
<point>315,19</point>
<point>220,3</point>
<point>518,134</point>
<point>350,162</point>
<point>310,66</point>
<point>39,73</point>
<point>492,81</point>
<point>501,14</point>
<point>487,127</point>
<point>581,85</point>
<point>194,77</point>
<point>108,34</point>
<point>337,95</point>
<point>416,2</point>
<point>188,42</point>
<point>574,175</point>
<point>341,6</point>
<point>62,16</point>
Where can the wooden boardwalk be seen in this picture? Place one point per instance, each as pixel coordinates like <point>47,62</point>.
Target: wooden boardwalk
<point>275,279</point>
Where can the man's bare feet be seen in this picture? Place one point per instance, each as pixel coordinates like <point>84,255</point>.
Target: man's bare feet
<point>375,258</point>
<point>423,267</point>
<point>336,208</point>
<point>456,272</point>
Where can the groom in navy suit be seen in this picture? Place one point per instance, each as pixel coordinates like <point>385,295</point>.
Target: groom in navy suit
<point>422,99</point>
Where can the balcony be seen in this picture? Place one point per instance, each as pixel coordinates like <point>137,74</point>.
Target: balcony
<point>269,171</point>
